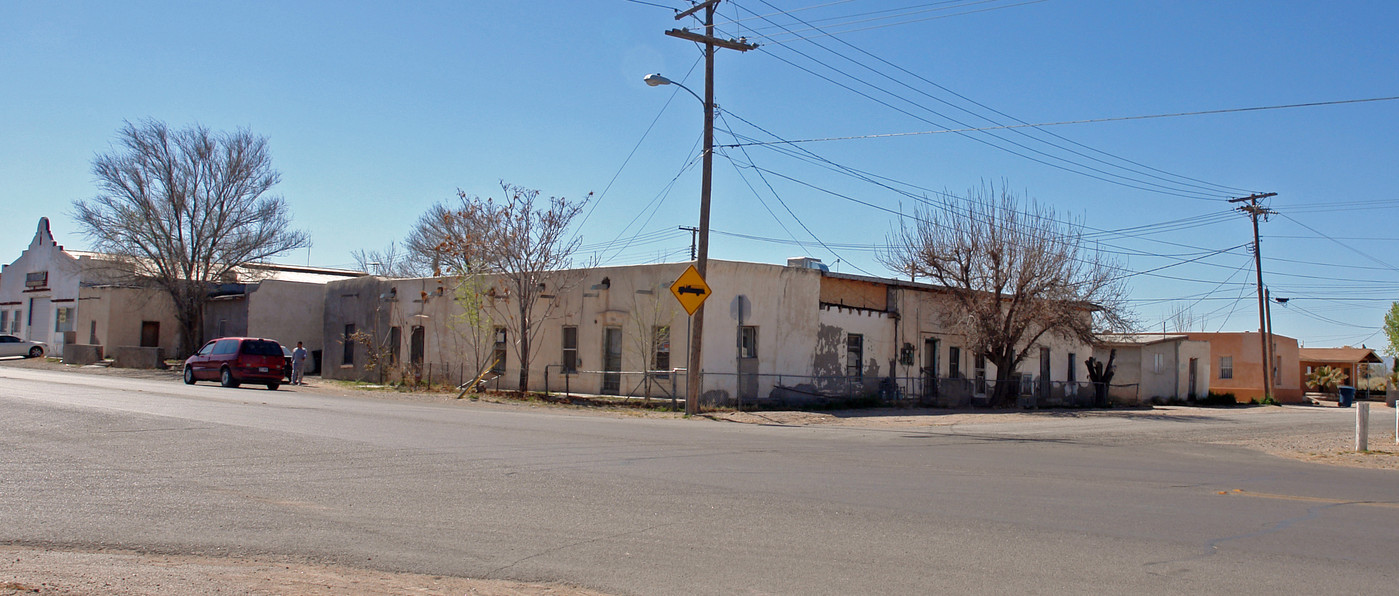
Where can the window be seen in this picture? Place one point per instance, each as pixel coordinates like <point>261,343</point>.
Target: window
<point>748,341</point>
<point>1158,362</point>
<point>570,349</point>
<point>226,346</point>
<point>498,354</point>
<point>1226,367</point>
<point>348,341</point>
<point>63,319</point>
<point>260,347</point>
<point>660,337</point>
<point>14,323</point>
<point>1073,369</point>
<point>954,362</point>
<point>4,321</point>
<point>855,356</point>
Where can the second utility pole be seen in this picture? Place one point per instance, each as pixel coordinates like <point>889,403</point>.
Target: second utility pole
<point>695,367</point>
<point>1264,333</point>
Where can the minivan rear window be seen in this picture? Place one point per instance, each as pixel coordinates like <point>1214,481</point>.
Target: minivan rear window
<point>258,347</point>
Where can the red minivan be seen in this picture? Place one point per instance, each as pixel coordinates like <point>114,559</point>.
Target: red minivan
<point>237,360</point>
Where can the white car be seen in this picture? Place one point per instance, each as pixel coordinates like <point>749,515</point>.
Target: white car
<point>14,346</point>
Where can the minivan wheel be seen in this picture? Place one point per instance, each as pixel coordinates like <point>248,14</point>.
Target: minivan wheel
<point>36,352</point>
<point>273,386</point>
<point>189,376</point>
<point>226,378</point>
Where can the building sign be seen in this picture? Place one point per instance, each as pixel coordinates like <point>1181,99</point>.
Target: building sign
<point>37,279</point>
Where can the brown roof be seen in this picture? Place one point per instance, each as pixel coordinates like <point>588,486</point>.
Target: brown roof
<point>1346,355</point>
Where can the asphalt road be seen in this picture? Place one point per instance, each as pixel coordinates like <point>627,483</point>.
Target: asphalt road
<point>650,506</point>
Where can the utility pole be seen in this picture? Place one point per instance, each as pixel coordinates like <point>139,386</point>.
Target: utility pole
<point>693,231</point>
<point>1253,209</point>
<point>693,373</point>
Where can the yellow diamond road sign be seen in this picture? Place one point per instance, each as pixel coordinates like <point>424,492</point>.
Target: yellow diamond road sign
<point>690,290</point>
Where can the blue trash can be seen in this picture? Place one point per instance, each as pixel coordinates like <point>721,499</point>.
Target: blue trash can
<point>1347,395</point>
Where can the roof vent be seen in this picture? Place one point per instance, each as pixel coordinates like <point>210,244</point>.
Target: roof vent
<point>807,263</point>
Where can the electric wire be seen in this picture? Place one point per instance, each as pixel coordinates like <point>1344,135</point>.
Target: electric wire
<point>1211,187</point>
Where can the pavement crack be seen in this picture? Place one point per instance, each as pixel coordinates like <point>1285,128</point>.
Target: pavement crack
<point>490,574</point>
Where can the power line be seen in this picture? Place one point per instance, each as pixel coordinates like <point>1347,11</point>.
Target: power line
<point>1068,122</point>
<point>1211,187</point>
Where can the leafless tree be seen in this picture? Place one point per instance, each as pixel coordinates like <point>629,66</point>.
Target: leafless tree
<point>525,244</point>
<point>434,244</point>
<point>389,262</point>
<point>185,208</point>
<point>1015,276</point>
<point>651,314</point>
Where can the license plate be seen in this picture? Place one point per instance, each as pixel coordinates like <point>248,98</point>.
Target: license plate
<point>262,369</point>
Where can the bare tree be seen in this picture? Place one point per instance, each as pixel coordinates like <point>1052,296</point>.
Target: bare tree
<point>652,312</point>
<point>185,208</point>
<point>389,262</point>
<point>1014,275</point>
<point>435,242</point>
<point>525,244</point>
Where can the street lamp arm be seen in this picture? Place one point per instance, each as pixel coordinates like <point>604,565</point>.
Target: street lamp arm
<point>656,80</point>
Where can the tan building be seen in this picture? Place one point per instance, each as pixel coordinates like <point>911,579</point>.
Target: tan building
<point>1354,362</point>
<point>281,302</point>
<point>1237,359</point>
<point>1156,367</point>
<point>793,333</point>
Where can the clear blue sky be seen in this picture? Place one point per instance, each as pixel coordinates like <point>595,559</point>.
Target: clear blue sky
<point>374,111</point>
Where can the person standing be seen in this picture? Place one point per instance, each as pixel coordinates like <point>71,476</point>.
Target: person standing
<point>298,363</point>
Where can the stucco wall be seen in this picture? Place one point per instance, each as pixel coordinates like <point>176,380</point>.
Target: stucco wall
<point>287,312</point>
<point>119,314</point>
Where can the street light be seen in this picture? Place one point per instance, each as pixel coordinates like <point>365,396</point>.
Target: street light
<point>692,375</point>
<point>656,80</point>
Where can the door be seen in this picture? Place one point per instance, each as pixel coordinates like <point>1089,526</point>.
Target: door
<point>38,327</point>
<point>150,334</point>
<point>930,367</point>
<point>1194,366</point>
<point>416,345</point>
<point>1045,367</point>
<point>612,360</point>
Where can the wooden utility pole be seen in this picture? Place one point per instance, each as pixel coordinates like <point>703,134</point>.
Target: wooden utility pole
<point>1253,209</point>
<point>693,373</point>
<point>693,232</point>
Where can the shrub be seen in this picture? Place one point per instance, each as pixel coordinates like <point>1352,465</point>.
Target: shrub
<point>1218,399</point>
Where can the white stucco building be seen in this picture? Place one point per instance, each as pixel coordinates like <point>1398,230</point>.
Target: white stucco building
<point>56,296</point>
<point>790,333</point>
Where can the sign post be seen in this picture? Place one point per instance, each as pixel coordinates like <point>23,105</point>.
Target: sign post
<point>691,291</point>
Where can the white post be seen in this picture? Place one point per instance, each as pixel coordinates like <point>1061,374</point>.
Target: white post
<point>1362,426</point>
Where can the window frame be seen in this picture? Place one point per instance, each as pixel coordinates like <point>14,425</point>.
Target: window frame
<point>569,349</point>
<point>855,356</point>
<point>748,341</point>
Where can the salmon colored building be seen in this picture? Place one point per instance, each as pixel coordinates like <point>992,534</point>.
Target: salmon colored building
<point>1236,366</point>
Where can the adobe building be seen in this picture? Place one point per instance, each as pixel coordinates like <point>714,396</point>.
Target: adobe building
<point>794,333</point>
<point>63,297</point>
<point>60,297</point>
<point>1156,367</point>
<point>1354,362</point>
<point>1237,358</point>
